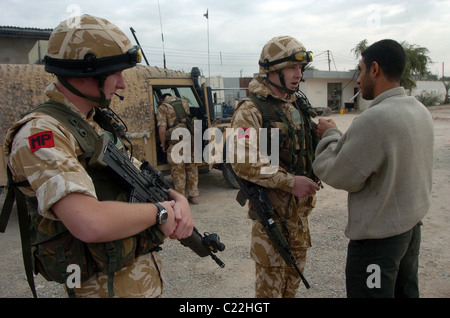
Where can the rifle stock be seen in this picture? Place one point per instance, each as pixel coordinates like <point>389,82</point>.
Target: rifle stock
<point>263,210</point>
<point>148,185</point>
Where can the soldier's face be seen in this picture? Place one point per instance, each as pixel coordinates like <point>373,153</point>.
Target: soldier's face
<point>292,76</point>
<point>112,83</point>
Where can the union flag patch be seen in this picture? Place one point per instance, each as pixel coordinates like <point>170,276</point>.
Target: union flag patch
<point>40,140</point>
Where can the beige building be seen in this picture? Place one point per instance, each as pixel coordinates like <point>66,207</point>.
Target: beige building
<point>323,89</point>
<point>333,89</point>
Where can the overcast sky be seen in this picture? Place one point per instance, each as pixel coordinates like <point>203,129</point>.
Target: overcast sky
<point>238,29</point>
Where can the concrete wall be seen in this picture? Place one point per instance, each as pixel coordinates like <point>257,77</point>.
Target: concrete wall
<point>430,87</point>
<point>15,50</point>
<point>37,53</point>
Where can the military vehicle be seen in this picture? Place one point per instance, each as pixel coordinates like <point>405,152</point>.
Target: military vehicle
<point>22,88</point>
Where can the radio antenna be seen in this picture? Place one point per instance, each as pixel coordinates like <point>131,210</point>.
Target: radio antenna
<point>162,37</point>
<point>137,41</point>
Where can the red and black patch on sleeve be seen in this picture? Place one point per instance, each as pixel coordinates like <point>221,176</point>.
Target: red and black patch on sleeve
<point>243,133</point>
<point>41,140</point>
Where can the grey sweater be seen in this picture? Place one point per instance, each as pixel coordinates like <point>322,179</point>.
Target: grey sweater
<point>384,161</point>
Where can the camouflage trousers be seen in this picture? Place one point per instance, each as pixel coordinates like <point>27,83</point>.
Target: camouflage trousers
<point>184,175</point>
<point>279,281</point>
<point>273,277</point>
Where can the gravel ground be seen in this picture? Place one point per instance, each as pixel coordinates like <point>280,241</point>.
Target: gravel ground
<point>187,275</point>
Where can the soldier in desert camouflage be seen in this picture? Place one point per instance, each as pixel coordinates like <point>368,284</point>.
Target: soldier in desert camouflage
<point>184,172</point>
<point>292,186</point>
<point>88,55</point>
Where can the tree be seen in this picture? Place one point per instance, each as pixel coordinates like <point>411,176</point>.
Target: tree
<point>359,48</point>
<point>416,62</point>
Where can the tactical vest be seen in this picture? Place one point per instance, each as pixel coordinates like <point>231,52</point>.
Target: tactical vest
<point>296,161</point>
<point>182,116</point>
<point>48,247</point>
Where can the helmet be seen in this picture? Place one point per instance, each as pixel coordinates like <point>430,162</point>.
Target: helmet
<point>283,51</point>
<point>89,46</point>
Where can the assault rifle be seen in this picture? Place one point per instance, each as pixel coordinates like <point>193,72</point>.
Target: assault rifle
<point>148,185</point>
<point>263,210</point>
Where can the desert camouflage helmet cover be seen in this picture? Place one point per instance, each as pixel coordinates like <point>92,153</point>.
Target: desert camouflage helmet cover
<point>88,46</point>
<point>281,47</point>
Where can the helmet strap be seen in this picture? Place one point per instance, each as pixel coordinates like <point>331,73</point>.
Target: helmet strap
<point>102,101</point>
<point>282,81</point>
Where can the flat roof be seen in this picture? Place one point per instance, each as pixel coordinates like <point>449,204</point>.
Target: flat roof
<point>331,74</point>
<point>29,33</point>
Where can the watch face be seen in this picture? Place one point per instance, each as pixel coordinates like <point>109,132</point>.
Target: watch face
<point>162,214</point>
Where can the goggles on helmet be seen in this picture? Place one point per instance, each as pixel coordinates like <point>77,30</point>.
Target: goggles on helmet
<point>135,54</point>
<point>301,56</point>
<point>92,66</point>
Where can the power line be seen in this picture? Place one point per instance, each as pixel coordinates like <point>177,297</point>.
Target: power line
<point>202,53</point>
<point>223,59</point>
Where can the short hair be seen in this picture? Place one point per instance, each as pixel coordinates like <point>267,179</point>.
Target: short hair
<point>389,55</point>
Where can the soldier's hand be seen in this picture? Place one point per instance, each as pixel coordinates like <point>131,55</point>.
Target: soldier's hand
<point>304,187</point>
<point>183,216</point>
<point>169,227</point>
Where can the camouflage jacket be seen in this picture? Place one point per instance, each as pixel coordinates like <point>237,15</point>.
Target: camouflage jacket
<point>291,210</point>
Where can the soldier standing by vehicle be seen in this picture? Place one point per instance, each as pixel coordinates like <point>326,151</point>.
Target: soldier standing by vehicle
<point>291,189</point>
<point>49,163</point>
<point>173,113</point>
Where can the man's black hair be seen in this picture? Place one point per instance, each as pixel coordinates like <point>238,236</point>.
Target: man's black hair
<point>389,55</point>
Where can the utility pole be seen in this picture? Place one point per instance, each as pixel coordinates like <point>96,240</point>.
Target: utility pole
<point>328,53</point>
<point>446,86</point>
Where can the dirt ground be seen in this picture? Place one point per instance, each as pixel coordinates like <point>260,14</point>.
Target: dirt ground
<point>187,275</point>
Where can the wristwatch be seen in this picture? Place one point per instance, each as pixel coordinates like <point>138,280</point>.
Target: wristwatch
<point>162,215</point>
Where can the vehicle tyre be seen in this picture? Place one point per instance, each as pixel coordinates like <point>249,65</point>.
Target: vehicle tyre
<point>229,177</point>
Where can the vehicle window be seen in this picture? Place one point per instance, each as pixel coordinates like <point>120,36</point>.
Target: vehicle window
<point>158,93</point>
<point>180,91</point>
<point>188,94</point>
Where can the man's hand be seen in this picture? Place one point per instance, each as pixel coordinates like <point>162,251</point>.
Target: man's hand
<point>324,125</point>
<point>304,187</point>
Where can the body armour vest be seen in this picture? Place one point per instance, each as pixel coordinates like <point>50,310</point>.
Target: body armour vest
<point>182,116</point>
<point>295,159</point>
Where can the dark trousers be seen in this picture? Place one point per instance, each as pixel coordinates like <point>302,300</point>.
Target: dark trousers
<point>384,268</point>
